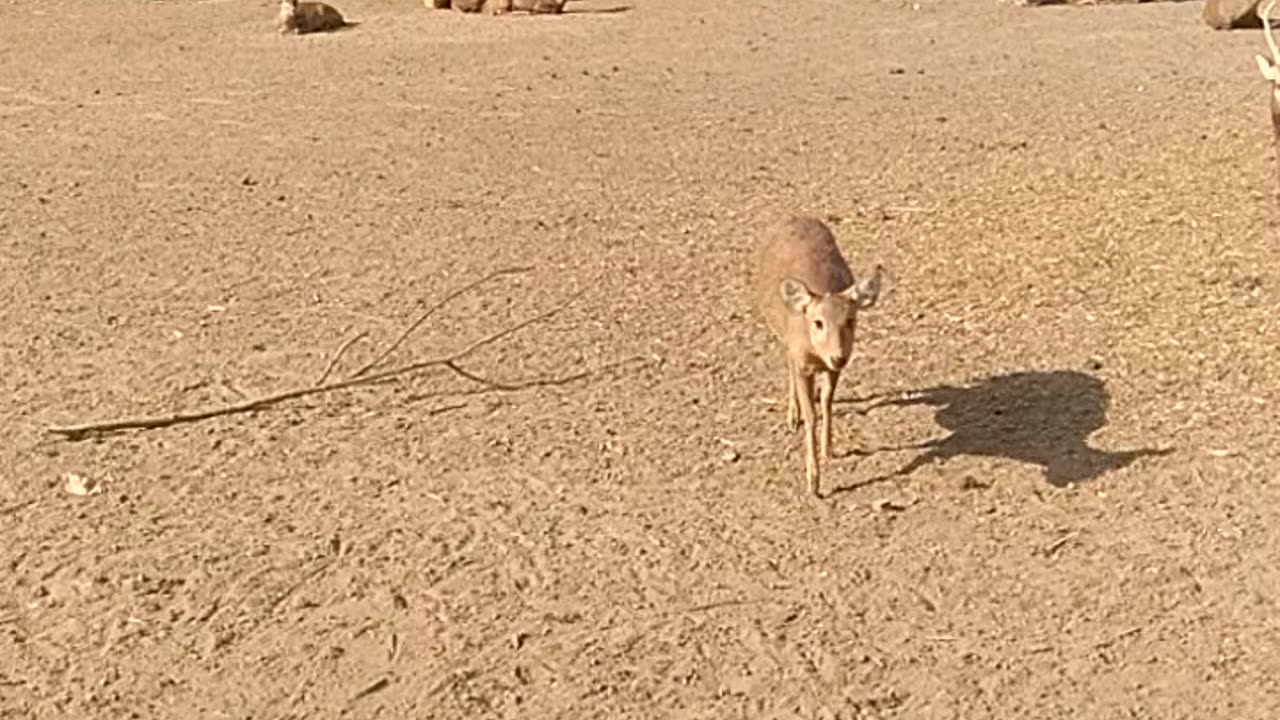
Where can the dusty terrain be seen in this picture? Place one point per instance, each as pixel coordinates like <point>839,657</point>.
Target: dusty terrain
<point>1065,504</point>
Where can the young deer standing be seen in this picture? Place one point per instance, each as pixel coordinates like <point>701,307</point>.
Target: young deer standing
<point>810,301</point>
<point>1271,71</point>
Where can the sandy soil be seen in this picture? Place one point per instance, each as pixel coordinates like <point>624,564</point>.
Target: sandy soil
<point>1065,504</point>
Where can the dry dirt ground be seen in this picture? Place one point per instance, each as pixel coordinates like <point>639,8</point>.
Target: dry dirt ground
<point>1065,505</point>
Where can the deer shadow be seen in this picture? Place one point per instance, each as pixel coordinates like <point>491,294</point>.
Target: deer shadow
<point>616,9</point>
<point>1042,418</point>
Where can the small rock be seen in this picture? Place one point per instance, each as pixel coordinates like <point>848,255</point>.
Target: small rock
<point>215,641</point>
<point>888,505</point>
<point>518,640</point>
<point>730,455</point>
<point>80,485</point>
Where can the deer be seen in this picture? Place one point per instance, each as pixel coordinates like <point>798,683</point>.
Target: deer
<point>810,300</point>
<point>308,17</point>
<point>1270,70</point>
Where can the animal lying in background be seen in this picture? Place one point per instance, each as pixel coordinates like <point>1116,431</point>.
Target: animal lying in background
<point>308,17</point>
<point>500,7</point>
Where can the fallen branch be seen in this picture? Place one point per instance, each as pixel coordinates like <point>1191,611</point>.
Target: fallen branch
<point>431,311</point>
<point>448,362</point>
<point>338,356</point>
<point>488,386</point>
<point>495,385</point>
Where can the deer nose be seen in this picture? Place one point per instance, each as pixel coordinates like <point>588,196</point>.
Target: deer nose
<point>837,362</point>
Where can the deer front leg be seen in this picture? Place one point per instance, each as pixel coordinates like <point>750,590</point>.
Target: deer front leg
<point>828,393</point>
<point>804,384</point>
<point>793,399</point>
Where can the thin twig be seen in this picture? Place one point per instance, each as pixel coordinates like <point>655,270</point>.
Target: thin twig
<point>431,311</point>
<point>79,431</point>
<point>1056,545</point>
<point>723,604</point>
<point>381,683</point>
<point>495,385</point>
<point>308,577</point>
<point>477,379</point>
<point>338,356</point>
<point>446,408</point>
<point>1118,637</point>
<point>16,507</point>
<point>487,385</point>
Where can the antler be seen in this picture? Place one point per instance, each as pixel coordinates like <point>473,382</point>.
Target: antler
<point>1265,15</point>
<point>1271,71</point>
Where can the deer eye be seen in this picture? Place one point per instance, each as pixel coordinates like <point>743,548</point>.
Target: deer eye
<point>818,324</point>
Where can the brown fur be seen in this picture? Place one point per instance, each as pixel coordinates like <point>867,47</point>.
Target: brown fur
<point>308,17</point>
<point>809,299</point>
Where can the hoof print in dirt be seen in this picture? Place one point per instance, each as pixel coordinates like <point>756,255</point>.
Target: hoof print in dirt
<point>298,18</point>
<point>500,7</point>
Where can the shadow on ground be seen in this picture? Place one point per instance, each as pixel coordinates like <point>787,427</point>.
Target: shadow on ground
<point>1044,418</point>
<point>596,11</point>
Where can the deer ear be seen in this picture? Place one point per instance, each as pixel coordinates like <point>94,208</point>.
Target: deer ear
<point>866,292</point>
<point>795,295</point>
